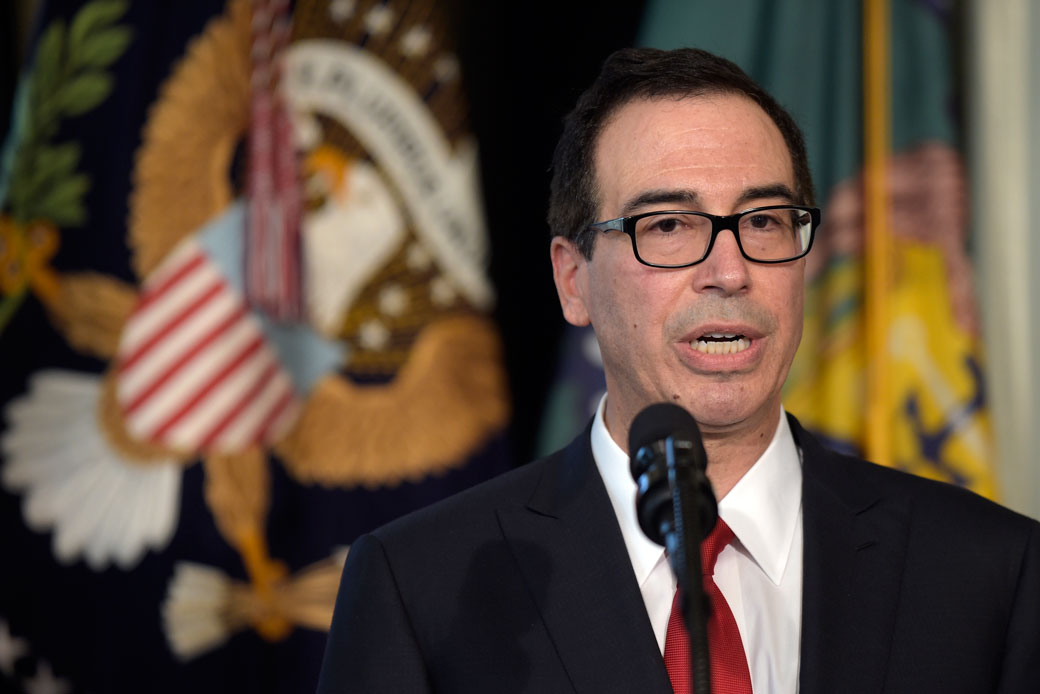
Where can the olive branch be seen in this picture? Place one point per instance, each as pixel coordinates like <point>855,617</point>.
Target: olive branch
<point>69,78</point>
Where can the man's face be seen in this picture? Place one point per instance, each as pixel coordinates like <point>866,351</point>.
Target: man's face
<point>720,154</point>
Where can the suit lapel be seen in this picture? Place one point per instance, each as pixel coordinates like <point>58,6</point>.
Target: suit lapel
<point>572,556</point>
<point>855,541</point>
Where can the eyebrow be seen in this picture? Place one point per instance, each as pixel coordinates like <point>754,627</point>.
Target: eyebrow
<point>683,197</point>
<point>773,190</point>
<point>690,198</point>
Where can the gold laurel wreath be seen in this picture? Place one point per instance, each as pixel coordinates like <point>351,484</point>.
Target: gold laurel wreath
<point>445,401</point>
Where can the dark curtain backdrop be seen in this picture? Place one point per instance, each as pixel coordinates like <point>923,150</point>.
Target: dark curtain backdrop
<point>525,65</point>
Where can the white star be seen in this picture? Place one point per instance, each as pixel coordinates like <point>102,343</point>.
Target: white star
<point>306,129</point>
<point>442,294</point>
<point>416,42</point>
<point>393,300</point>
<point>446,68</point>
<point>373,335</point>
<point>342,10</point>
<point>417,258</point>
<point>379,20</point>
<point>44,681</point>
<point>11,649</point>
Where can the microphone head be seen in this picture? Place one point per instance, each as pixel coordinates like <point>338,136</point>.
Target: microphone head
<point>659,421</point>
<point>656,423</point>
<point>649,460</point>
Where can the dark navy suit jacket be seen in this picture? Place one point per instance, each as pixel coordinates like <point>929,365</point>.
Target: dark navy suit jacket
<point>523,584</point>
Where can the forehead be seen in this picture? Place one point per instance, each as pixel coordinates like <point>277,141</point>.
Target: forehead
<point>714,146</point>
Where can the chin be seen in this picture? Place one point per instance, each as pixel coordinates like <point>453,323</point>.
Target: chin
<point>720,419</point>
<point>723,410</point>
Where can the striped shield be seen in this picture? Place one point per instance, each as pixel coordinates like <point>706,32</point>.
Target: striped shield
<point>195,372</point>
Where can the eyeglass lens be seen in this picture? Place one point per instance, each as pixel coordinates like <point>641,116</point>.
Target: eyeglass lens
<point>678,238</point>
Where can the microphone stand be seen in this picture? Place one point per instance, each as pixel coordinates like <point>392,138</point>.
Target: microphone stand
<point>685,557</point>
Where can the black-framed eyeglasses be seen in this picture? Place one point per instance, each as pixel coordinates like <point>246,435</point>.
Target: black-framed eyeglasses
<point>681,238</point>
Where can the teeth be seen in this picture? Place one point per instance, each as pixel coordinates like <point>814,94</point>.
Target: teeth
<point>730,346</point>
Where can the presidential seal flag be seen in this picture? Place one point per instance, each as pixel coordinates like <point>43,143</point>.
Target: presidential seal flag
<point>244,318</point>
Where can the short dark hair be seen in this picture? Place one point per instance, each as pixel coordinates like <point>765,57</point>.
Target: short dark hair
<point>646,73</point>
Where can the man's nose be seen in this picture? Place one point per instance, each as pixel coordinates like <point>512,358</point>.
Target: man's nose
<point>725,270</point>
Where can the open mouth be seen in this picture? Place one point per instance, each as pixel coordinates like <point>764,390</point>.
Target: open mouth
<point>720,343</point>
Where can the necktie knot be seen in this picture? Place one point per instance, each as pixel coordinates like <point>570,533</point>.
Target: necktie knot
<point>713,544</point>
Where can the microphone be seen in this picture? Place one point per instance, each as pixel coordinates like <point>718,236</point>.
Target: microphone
<point>664,440</point>
<point>676,508</point>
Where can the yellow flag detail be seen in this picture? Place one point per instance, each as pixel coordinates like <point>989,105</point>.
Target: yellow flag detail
<point>938,424</point>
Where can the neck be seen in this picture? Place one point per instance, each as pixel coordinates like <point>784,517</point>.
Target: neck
<point>730,457</point>
<point>731,451</point>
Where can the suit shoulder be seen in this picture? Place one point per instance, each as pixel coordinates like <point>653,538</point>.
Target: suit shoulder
<point>942,502</point>
<point>861,482</point>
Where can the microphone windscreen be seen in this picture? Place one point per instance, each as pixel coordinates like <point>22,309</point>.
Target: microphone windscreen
<point>659,421</point>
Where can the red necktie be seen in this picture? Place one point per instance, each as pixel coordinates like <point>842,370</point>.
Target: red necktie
<point>729,668</point>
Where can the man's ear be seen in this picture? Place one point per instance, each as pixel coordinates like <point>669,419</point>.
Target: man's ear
<point>570,273</point>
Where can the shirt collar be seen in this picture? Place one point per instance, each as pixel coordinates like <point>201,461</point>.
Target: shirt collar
<point>762,508</point>
<point>613,467</point>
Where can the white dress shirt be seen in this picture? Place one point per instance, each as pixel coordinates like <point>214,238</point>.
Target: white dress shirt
<point>759,573</point>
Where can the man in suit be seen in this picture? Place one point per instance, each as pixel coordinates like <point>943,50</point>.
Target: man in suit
<point>681,214</point>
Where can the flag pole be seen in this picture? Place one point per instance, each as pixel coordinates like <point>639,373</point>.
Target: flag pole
<point>878,243</point>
